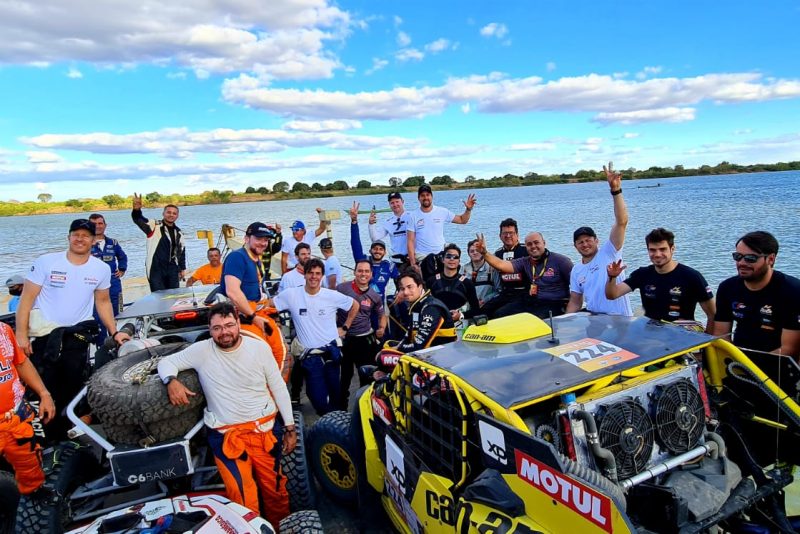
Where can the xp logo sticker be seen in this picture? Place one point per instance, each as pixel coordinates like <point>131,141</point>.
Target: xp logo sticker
<point>493,442</point>
<point>395,466</point>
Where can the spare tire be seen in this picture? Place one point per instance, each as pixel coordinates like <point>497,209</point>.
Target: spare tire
<point>128,390</point>
<point>159,431</point>
<point>9,499</point>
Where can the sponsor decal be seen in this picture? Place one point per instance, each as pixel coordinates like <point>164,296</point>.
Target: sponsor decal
<point>381,410</point>
<point>766,310</point>
<point>583,500</point>
<point>479,337</point>
<point>591,354</point>
<point>675,291</point>
<point>493,442</point>
<point>395,485</point>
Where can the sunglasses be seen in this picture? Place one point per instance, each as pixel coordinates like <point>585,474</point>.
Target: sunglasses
<point>452,257</point>
<point>748,258</point>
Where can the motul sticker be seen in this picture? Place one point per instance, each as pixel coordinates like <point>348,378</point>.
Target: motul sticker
<point>586,502</point>
<point>591,354</point>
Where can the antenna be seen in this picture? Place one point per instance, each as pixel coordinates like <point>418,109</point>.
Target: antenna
<point>194,297</point>
<point>553,339</point>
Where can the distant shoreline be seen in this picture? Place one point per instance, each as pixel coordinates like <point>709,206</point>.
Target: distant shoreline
<point>409,185</point>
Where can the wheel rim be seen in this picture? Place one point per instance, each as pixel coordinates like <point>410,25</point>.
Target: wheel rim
<point>140,372</point>
<point>338,466</point>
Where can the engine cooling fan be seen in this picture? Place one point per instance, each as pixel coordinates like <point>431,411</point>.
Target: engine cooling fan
<point>627,431</point>
<point>680,416</point>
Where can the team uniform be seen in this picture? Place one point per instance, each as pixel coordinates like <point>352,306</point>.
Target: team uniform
<point>484,278</point>
<point>760,316</point>
<point>293,278</point>
<point>110,252</point>
<point>166,252</point>
<point>17,445</point>
<point>314,318</point>
<point>382,271</point>
<point>332,267</point>
<point>548,282</point>
<point>290,243</point>
<point>513,287</point>
<point>455,292</point>
<point>670,296</point>
<point>430,324</point>
<point>208,274</point>
<point>428,228</point>
<point>360,345</point>
<point>241,418</point>
<point>589,279</point>
<point>395,228</point>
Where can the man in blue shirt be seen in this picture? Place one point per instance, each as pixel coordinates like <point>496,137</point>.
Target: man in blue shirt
<point>382,270</point>
<point>110,252</point>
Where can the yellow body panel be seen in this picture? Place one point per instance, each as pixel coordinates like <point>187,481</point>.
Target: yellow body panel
<point>511,329</point>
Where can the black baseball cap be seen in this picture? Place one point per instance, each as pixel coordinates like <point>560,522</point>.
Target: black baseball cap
<point>424,188</point>
<point>325,243</point>
<point>378,243</point>
<point>82,224</point>
<point>393,196</point>
<point>583,230</point>
<point>259,229</point>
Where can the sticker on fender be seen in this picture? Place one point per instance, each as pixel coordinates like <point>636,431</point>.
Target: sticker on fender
<point>583,500</point>
<point>591,354</point>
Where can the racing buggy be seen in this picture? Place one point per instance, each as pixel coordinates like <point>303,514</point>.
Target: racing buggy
<point>587,423</point>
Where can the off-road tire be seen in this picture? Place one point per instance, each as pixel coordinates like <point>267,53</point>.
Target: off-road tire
<point>299,483</point>
<point>302,522</point>
<point>116,400</point>
<point>163,430</point>
<point>66,466</point>
<point>331,451</point>
<point>9,499</point>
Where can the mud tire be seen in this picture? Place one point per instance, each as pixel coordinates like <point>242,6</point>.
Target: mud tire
<point>299,482</point>
<point>302,522</point>
<point>117,401</point>
<point>332,456</point>
<point>9,499</point>
<point>163,430</point>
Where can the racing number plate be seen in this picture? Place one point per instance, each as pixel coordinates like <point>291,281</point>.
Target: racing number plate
<point>591,354</point>
<point>161,462</point>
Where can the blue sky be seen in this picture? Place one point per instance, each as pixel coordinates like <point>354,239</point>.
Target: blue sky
<point>105,97</point>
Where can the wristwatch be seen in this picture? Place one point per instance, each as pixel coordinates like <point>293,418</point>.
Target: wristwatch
<point>345,327</point>
<point>169,379</point>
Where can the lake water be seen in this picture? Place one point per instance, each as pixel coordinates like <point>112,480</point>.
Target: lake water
<point>707,214</point>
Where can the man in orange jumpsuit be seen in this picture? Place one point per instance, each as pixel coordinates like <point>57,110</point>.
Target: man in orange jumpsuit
<point>16,416</point>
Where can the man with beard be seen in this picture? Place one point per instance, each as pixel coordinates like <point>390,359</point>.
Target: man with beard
<point>245,395</point>
<point>313,310</point>
<point>670,290</point>
<point>426,233</point>
<point>360,344</point>
<point>513,288</point>
<point>546,274</point>
<point>454,290</point>
<point>763,302</point>
<point>382,269</point>
<point>588,279</point>
<point>296,277</point>
<point>241,283</point>
<point>431,322</point>
<point>394,227</point>
<point>165,262</point>
<point>299,235</point>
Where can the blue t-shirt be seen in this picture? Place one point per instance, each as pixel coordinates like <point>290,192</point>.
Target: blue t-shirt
<point>241,265</point>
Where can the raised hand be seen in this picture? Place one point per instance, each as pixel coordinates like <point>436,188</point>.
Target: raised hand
<point>615,268</point>
<point>137,201</point>
<point>373,217</point>
<point>614,178</point>
<point>470,202</point>
<point>354,211</point>
<point>481,244</point>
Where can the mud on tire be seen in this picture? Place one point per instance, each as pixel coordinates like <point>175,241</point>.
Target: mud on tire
<point>303,522</point>
<point>299,482</point>
<point>331,452</point>
<point>9,498</point>
<point>117,400</point>
<point>66,466</point>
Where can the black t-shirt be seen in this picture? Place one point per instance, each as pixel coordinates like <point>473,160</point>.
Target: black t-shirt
<point>760,316</point>
<point>513,281</point>
<point>670,296</point>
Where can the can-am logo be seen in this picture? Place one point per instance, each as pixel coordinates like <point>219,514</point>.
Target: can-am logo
<point>583,500</point>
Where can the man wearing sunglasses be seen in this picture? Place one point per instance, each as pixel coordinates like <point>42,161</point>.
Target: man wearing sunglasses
<point>454,289</point>
<point>764,303</point>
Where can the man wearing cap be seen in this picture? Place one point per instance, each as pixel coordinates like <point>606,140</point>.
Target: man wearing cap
<point>165,262</point>
<point>426,233</point>
<point>14,285</point>
<point>288,259</point>
<point>382,269</point>
<point>211,272</point>
<point>588,279</point>
<point>241,283</point>
<point>296,277</point>
<point>394,227</point>
<point>333,269</point>
<point>54,318</point>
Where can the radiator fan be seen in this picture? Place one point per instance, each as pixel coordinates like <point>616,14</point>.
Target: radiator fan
<point>680,416</point>
<point>626,430</point>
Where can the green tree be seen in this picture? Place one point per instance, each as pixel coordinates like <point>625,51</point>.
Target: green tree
<point>442,180</point>
<point>316,186</point>
<point>280,187</point>
<point>300,187</point>
<point>469,179</point>
<point>363,184</point>
<point>113,200</point>
<point>414,181</point>
<point>217,197</point>
<point>250,190</point>
<point>339,185</point>
<point>153,197</point>
<point>74,203</point>
<point>395,182</point>
<point>44,198</point>
<point>263,190</point>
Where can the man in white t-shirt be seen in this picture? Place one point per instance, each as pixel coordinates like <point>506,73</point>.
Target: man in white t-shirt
<point>333,269</point>
<point>313,310</point>
<point>587,281</point>
<point>426,233</point>
<point>299,235</point>
<point>54,318</point>
<point>395,228</point>
<point>296,277</point>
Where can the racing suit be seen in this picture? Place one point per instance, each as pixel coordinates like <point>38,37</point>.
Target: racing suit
<point>431,324</point>
<point>166,252</point>
<point>112,255</point>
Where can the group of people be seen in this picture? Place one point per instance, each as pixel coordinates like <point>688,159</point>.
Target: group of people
<point>246,364</point>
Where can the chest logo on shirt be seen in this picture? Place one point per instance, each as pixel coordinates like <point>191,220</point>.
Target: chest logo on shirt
<point>398,224</point>
<point>650,291</point>
<point>739,309</point>
<point>303,312</point>
<point>766,310</point>
<point>420,223</point>
<point>675,291</point>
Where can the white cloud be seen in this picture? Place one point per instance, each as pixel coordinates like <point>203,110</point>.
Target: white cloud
<point>648,72</point>
<point>42,157</point>
<point>74,73</point>
<point>439,45</point>
<point>743,131</point>
<point>180,75</point>
<point>465,108</point>
<point>377,64</point>
<point>630,135</point>
<point>409,54</point>
<point>322,126</point>
<point>550,66</point>
<point>403,39</point>
<point>397,20</point>
<point>494,29</point>
<point>646,115</point>
<point>533,146</point>
<point>278,39</point>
